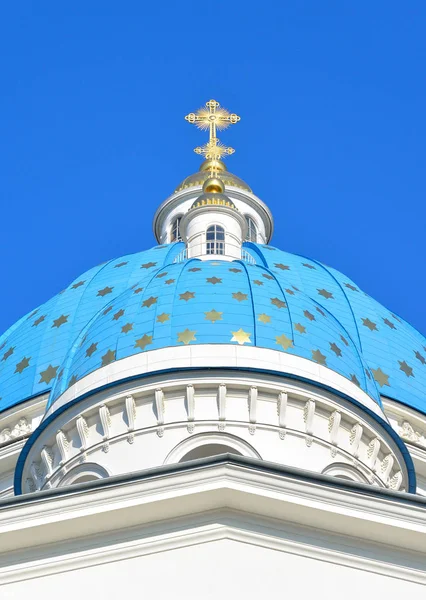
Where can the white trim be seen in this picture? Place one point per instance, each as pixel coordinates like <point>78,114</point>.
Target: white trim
<point>203,439</point>
<point>339,525</point>
<point>214,355</point>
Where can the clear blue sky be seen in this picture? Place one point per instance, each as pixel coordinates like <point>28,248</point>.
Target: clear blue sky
<point>332,97</point>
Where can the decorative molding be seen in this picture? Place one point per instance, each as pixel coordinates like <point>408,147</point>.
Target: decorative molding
<point>63,446</point>
<point>190,406</point>
<point>130,407</point>
<point>372,452</point>
<point>83,432</point>
<point>105,418</point>
<point>308,417</point>
<point>297,415</point>
<point>47,459</point>
<point>386,466</point>
<point>21,429</point>
<point>252,406</point>
<point>221,405</point>
<point>159,409</point>
<point>407,432</point>
<point>355,439</point>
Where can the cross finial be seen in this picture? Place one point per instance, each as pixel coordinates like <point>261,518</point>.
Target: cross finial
<point>213,117</point>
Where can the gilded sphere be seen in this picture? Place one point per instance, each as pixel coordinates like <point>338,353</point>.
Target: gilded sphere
<point>213,185</point>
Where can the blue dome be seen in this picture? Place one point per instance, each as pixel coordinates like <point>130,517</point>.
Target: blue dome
<point>272,299</point>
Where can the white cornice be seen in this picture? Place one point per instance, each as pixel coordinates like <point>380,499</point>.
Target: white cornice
<point>393,522</point>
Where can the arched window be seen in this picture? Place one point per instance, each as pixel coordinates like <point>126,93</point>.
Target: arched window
<point>215,240</point>
<point>175,233</point>
<point>251,230</point>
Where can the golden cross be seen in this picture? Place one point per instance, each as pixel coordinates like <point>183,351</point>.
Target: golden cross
<point>213,117</point>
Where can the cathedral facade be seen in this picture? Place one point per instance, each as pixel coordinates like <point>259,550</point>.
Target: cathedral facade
<point>211,416</point>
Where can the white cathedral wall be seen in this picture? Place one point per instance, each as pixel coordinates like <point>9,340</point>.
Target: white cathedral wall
<point>141,425</point>
<point>218,569</point>
<point>234,530</point>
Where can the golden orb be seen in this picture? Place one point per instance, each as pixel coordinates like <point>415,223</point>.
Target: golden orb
<point>213,185</point>
<point>213,165</point>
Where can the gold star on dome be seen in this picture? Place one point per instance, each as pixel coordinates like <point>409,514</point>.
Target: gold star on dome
<point>308,266</point>
<point>163,317</point>
<point>241,336</point>
<point>186,336</point>
<point>23,364</point>
<point>169,281</point>
<point>420,357</point>
<point>354,289</point>
<point>267,276</point>
<point>299,327</point>
<point>389,323</point>
<point>73,381</point>
<point>106,290</point>
<point>108,358</point>
<point>288,291</point>
<point>234,270</point>
<point>309,315</point>
<point>406,368</point>
<point>121,264</point>
<point>354,380</point>
<point>214,280</point>
<point>194,269</point>
<point>143,342</point>
<point>335,348</point>
<point>107,310</point>
<point>127,327</point>
<point>326,294</point>
<point>381,378</point>
<point>47,375</point>
<point>149,301</point>
<point>318,357</point>
<point>213,315</point>
<point>60,321</point>
<point>187,296</point>
<point>239,296</point>
<point>39,320</point>
<point>282,267</point>
<point>91,349</point>
<point>77,285</point>
<point>284,341</point>
<point>160,275</point>
<point>371,326</point>
<point>138,290</point>
<point>278,303</point>
<point>257,282</point>
<point>118,314</point>
<point>148,265</point>
<point>321,312</point>
<point>263,318</point>
<point>344,340</point>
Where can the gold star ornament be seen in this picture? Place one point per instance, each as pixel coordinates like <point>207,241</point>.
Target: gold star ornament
<point>108,358</point>
<point>47,375</point>
<point>143,342</point>
<point>187,336</point>
<point>187,296</point>
<point>213,315</point>
<point>241,336</point>
<point>284,342</point>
